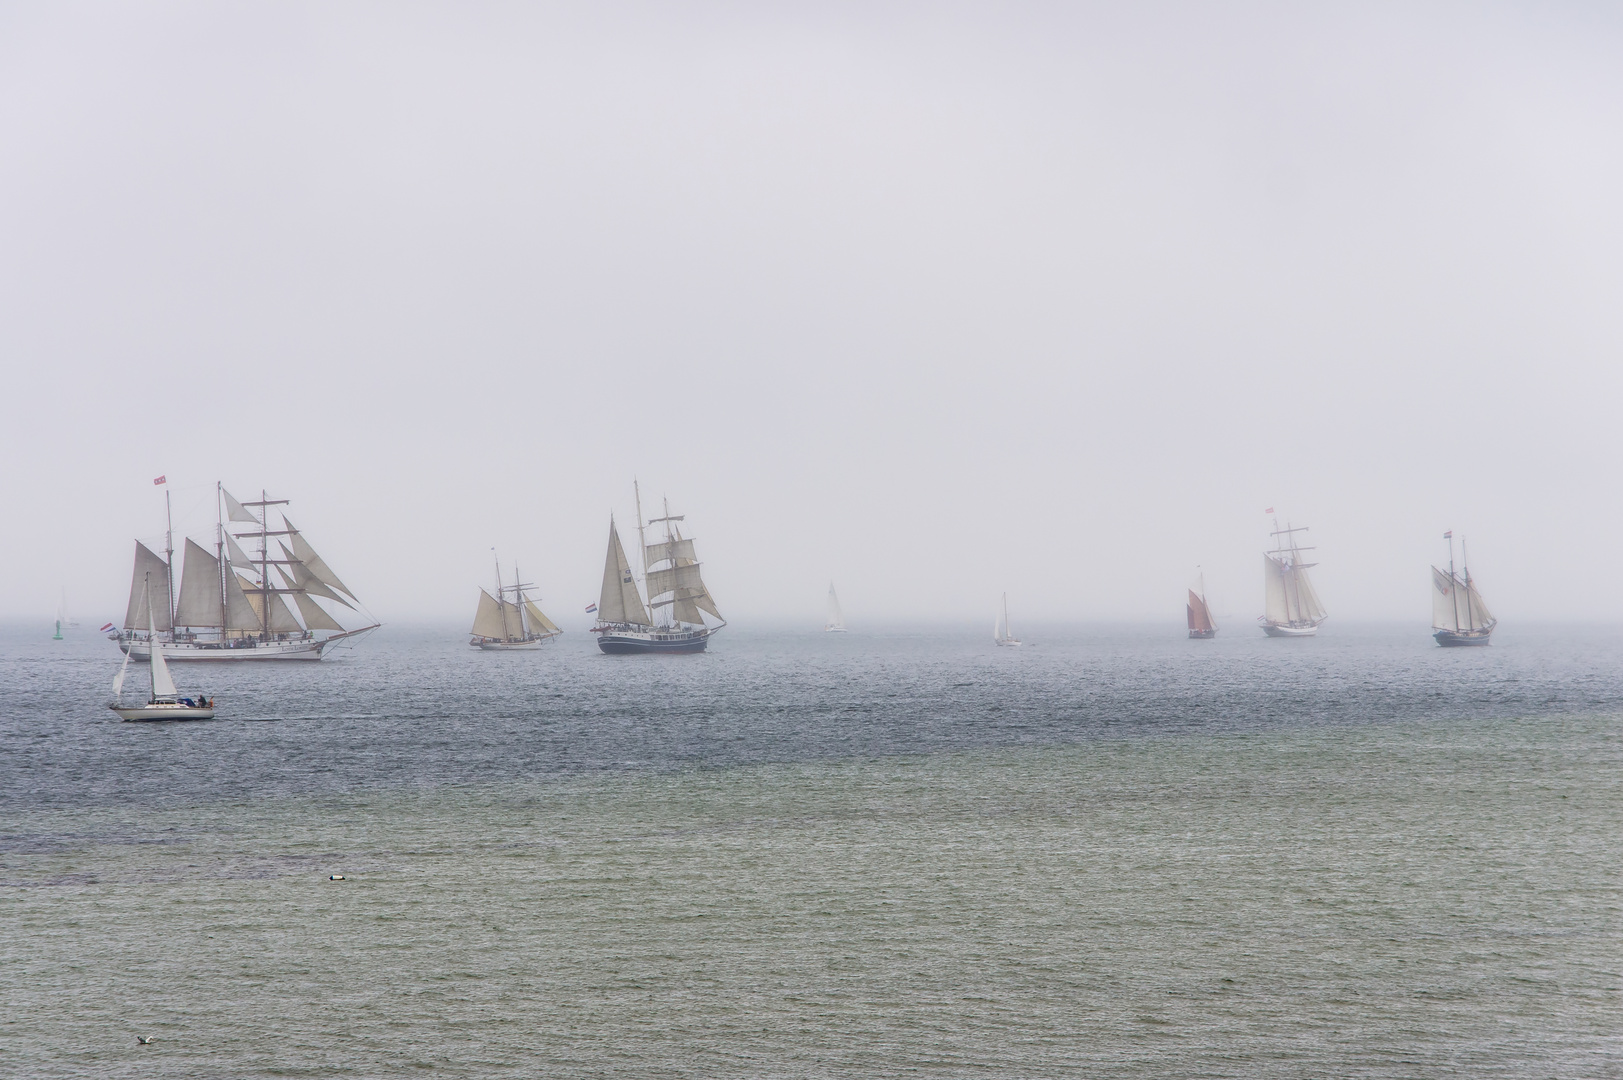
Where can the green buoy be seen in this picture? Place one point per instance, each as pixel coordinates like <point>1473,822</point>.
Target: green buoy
<point>58,635</point>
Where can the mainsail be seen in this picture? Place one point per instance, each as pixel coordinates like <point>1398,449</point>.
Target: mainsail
<point>836,617</point>
<point>487,620</point>
<point>141,615</point>
<point>539,623</point>
<point>199,603</point>
<point>619,601</point>
<point>1456,605</point>
<point>1200,616</point>
<point>1290,599</point>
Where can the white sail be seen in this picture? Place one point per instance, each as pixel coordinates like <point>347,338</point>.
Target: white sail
<point>1480,617</point>
<point>836,617</point>
<point>1277,606</point>
<point>307,555</point>
<point>281,618</point>
<point>235,555</point>
<point>684,610</point>
<point>304,579</point>
<point>539,623</point>
<point>684,578</point>
<point>677,551</point>
<point>487,620</point>
<point>314,616</point>
<point>1308,607</point>
<point>235,511</point>
<point>1445,604</point>
<point>512,621</point>
<point>619,601</point>
<point>118,680</point>
<point>139,614</point>
<point>162,684</point>
<point>199,603</point>
<point>240,614</point>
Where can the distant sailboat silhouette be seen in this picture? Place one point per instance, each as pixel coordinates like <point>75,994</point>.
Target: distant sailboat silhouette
<point>1000,627</point>
<point>1200,613</point>
<point>1458,615</point>
<point>836,617</point>
<point>1293,608</point>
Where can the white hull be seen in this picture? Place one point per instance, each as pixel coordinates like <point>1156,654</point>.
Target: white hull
<point>187,651</point>
<point>1281,630</point>
<point>163,710</point>
<point>1007,641</point>
<point>510,646</point>
<point>833,629</point>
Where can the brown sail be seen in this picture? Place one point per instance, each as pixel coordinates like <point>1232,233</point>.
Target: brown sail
<point>1200,617</point>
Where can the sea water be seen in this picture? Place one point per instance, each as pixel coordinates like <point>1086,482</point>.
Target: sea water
<point>1111,853</point>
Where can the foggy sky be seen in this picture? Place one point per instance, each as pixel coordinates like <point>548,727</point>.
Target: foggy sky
<point>930,300</point>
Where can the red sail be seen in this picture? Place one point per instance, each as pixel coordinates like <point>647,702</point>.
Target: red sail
<point>1199,617</point>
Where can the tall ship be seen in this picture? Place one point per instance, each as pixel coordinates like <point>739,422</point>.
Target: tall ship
<point>835,623</point>
<point>1458,615</point>
<point>1293,608</point>
<point>1199,612</point>
<point>501,624</point>
<point>229,606</point>
<point>673,619</point>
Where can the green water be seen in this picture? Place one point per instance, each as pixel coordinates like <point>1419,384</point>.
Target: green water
<point>1382,900</point>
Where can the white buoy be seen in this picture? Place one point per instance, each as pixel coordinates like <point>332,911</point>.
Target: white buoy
<point>335,877</point>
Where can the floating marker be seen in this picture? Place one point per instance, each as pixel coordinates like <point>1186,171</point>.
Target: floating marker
<point>335,877</point>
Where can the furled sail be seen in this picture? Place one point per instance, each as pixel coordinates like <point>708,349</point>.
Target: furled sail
<point>315,618</point>
<point>487,620</point>
<point>199,603</point>
<point>307,581</point>
<point>1200,616</point>
<point>677,551</point>
<point>307,555</point>
<point>620,602</point>
<point>235,511</point>
<point>539,623</point>
<point>148,567</point>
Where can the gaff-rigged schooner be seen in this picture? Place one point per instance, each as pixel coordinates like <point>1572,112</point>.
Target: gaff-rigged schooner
<point>503,625</point>
<point>835,624</point>
<point>1458,615</point>
<point>1293,608</point>
<point>676,594</point>
<point>1201,625</point>
<point>229,607</point>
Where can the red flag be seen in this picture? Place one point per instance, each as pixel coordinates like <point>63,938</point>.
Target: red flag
<point>1449,535</point>
<point>1269,510</point>
<point>160,480</point>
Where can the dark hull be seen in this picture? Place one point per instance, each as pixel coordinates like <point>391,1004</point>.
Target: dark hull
<point>1451,638</point>
<point>627,644</point>
<point>1202,635</point>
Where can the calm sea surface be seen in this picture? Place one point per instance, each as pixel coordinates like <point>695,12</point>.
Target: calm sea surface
<point>1112,853</point>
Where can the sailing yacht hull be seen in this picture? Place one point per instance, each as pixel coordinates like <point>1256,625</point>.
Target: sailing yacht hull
<point>1283,630</point>
<point>1202,635</point>
<point>1451,638</point>
<point>163,710</point>
<point>631,642</point>
<point>510,646</point>
<point>833,629</point>
<point>249,649</point>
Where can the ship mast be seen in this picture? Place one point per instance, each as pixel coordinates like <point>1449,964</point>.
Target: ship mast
<point>222,567</point>
<point>642,539</point>
<point>1465,564</point>
<point>169,562</point>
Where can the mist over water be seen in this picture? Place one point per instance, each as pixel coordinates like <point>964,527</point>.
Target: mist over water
<point>1112,852</point>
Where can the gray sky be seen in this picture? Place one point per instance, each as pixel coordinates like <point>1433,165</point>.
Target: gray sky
<point>933,300</point>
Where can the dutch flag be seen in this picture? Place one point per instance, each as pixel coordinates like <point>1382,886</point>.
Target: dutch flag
<point>106,628</point>
<point>590,608</point>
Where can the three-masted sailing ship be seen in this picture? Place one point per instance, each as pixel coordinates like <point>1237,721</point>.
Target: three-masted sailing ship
<point>1201,624</point>
<point>1293,608</point>
<point>502,625</point>
<point>835,623</point>
<point>1458,615</point>
<point>677,596</point>
<point>229,607</point>
<point>1001,633</point>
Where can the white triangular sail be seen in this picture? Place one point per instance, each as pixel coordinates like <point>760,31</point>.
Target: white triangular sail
<point>162,684</point>
<point>240,614</point>
<point>235,511</point>
<point>314,616</point>
<point>1480,617</point>
<point>235,555</point>
<point>836,617</point>
<point>118,680</point>
<point>1308,607</point>
<point>619,601</point>
<point>307,555</point>
<point>539,623</point>
<point>1445,601</point>
<point>487,619</point>
<point>281,619</point>
<point>304,579</point>
<point>512,621</point>
<point>139,614</point>
<point>1276,607</point>
<point>199,603</point>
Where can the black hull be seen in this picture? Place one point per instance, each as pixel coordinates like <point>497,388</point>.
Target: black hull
<point>1455,638</point>
<point>1202,635</point>
<point>624,644</point>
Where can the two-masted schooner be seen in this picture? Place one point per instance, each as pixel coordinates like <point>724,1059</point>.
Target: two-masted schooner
<point>1458,615</point>
<point>503,625</point>
<point>1201,624</point>
<point>1293,608</point>
<point>229,607</point>
<point>677,594</point>
<point>835,623</point>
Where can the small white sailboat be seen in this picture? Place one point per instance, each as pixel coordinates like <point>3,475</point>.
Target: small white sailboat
<point>1458,615</point>
<point>165,702</point>
<point>499,625</point>
<point>1001,634</point>
<point>1293,608</point>
<point>836,618</point>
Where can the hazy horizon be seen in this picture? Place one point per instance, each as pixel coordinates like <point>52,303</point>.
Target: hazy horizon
<point>932,303</point>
